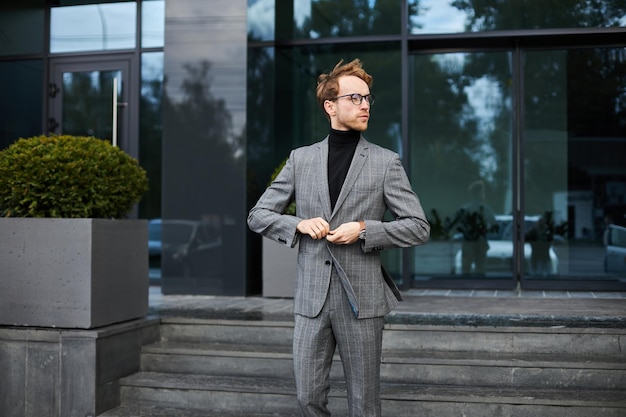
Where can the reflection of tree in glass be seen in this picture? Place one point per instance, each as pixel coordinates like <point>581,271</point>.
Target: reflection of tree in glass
<point>150,129</point>
<point>260,120</point>
<point>282,109</point>
<point>531,14</point>
<point>331,18</point>
<point>587,69</point>
<point>345,18</point>
<point>200,109</point>
<point>83,102</point>
<point>202,148</point>
<point>445,129</point>
<point>588,83</point>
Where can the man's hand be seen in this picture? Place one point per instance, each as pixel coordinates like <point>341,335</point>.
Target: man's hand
<point>345,234</point>
<point>317,228</point>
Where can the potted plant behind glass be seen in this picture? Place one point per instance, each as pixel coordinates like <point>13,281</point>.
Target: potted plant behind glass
<point>68,256</point>
<point>279,261</point>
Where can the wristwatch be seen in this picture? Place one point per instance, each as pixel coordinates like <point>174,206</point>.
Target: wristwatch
<point>362,231</point>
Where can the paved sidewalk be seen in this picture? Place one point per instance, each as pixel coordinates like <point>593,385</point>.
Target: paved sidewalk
<point>429,307</point>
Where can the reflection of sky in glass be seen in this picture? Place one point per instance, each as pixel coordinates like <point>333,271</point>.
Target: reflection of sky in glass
<point>261,16</point>
<point>485,100</point>
<point>93,27</point>
<point>438,16</point>
<point>261,19</point>
<point>151,70</point>
<point>152,23</point>
<point>483,96</point>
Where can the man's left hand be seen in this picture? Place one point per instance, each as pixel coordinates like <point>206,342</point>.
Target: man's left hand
<point>345,234</point>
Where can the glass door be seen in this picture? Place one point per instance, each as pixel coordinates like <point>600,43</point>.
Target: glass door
<point>462,167</point>
<point>574,161</point>
<point>92,98</point>
<point>518,158</point>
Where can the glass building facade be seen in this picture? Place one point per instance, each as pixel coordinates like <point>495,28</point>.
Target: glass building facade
<point>521,104</point>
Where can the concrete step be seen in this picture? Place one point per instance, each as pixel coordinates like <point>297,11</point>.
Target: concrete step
<point>150,410</point>
<point>404,366</point>
<point>540,371</point>
<point>218,359</point>
<point>255,333</point>
<point>217,394</point>
<point>244,368</point>
<point>592,342</point>
<point>570,341</point>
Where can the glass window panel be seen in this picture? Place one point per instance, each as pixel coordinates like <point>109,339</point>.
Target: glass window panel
<point>460,135</point>
<point>20,101</point>
<point>435,16</point>
<point>88,102</point>
<point>574,169</point>
<point>152,23</point>
<point>312,19</point>
<point>339,18</point>
<point>93,27</point>
<point>21,27</point>
<point>150,131</point>
<point>262,148</point>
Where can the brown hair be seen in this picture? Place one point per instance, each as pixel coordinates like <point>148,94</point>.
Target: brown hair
<point>328,84</point>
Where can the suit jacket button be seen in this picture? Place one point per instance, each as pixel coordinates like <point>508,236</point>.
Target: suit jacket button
<point>327,262</point>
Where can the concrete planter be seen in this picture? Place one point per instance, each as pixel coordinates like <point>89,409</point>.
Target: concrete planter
<point>72,273</point>
<point>436,258</point>
<point>279,269</point>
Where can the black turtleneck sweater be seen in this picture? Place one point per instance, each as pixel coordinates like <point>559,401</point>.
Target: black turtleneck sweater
<point>341,147</point>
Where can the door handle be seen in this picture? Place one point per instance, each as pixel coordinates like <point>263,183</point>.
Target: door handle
<point>114,132</point>
<point>116,105</point>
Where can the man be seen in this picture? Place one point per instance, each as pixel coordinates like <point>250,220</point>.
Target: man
<point>342,187</point>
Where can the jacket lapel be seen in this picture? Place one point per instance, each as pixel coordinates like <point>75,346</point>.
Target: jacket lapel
<point>322,178</point>
<point>360,156</point>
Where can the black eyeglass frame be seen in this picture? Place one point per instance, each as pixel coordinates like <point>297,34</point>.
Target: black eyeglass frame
<point>357,98</point>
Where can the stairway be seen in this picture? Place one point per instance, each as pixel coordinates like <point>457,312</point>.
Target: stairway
<point>230,368</point>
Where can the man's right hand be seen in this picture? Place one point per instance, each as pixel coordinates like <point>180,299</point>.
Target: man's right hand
<point>317,227</point>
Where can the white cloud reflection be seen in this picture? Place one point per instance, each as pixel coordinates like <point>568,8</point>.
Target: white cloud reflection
<point>439,16</point>
<point>261,16</point>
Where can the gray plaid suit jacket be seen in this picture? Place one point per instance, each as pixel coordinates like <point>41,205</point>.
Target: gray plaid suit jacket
<point>376,182</point>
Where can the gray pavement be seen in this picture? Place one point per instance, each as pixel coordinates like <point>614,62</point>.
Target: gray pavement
<point>427,307</point>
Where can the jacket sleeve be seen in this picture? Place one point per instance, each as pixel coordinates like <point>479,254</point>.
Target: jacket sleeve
<point>409,226</point>
<point>267,216</point>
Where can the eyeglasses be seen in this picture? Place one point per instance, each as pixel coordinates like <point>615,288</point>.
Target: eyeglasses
<point>357,98</point>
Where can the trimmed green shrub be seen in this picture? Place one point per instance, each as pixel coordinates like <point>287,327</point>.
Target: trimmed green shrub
<point>68,176</point>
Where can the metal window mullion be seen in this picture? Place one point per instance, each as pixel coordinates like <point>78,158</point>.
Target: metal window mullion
<point>518,162</point>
